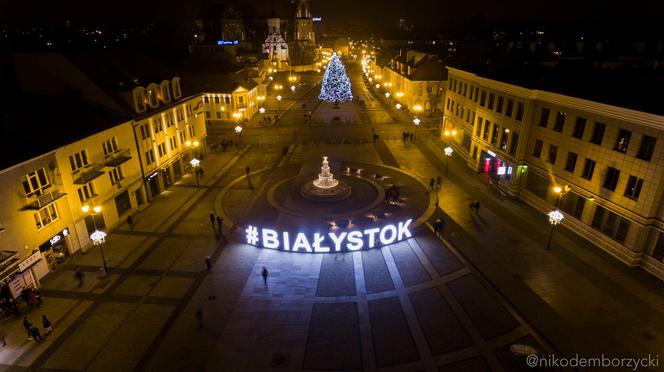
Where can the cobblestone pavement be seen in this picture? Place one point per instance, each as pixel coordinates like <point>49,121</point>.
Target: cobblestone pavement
<point>423,304</point>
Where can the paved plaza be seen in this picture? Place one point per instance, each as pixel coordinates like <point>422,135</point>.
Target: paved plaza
<point>459,302</point>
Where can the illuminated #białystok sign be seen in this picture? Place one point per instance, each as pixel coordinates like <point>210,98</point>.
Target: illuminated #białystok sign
<point>339,241</point>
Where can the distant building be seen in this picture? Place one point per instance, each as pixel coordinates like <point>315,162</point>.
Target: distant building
<point>275,45</point>
<point>304,25</point>
<point>528,141</point>
<point>416,80</point>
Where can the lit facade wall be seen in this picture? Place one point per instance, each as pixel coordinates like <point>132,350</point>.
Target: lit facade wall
<point>612,159</point>
<point>418,96</point>
<point>236,106</point>
<point>167,140</point>
<point>103,170</point>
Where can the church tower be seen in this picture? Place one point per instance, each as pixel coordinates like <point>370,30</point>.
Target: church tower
<point>304,24</point>
<point>275,45</point>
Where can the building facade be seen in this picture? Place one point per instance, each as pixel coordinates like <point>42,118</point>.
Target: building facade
<point>607,161</point>
<point>415,80</point>
<point>239,103</point>
<point>275,45</point>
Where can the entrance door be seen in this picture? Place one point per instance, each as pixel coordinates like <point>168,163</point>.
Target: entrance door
<point>177,170</point>
<point>167,177</point>
<point>154,186</point>
<point>122,203</point>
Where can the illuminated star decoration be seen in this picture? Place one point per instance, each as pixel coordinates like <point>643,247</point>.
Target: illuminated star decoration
<point>336,85</point>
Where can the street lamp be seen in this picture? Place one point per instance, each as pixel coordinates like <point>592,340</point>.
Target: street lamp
<point>560,192</point>
<point>448,154</point>
<point>279,102</point>
<point>98,237</point>
<point>238,131</point>
<point>555,218</point>
<point>377,86</point>
<point>387,95</point>
<point>398,106</point>
<point>292,88</point>
<point>417,123</point>
<point>195,163</point>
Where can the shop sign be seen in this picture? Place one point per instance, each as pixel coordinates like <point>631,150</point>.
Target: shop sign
<point>342,241</point>
<point>317,19</point>
<point>54,240</point>
<point>25,264</point>
<point>227,42</point>
<point>501,171</point>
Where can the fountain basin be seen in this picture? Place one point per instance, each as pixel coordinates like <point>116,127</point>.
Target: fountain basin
<point>338,192</point>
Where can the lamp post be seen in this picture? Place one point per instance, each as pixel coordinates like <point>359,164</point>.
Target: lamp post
<point>560,192</point>
<point>262,112</point>
<point>555,217</point>
<point>417,123</point>
<point>195,163</point>
<point>448,154</point>
<point>238,131</point>
<point>398,106</point>
<point>98,237</point>
<point>279,104</point>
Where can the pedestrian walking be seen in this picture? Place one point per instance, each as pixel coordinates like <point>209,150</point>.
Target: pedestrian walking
<point>78,275</point>
<point>27,325</point>
<point>199,317</point>
<point>412,135</point>
<point>248,170</point>
<point>431,183</point>
<point>130,222</point>
<point>34,332</point>
<point>208,263</point>
<point>213,218</point>
<point>439,181</point>
<point>477,208</point>
<point>438,227</point>
<point>265,274</point>
<point>220,223</point>
<point>48,328</point>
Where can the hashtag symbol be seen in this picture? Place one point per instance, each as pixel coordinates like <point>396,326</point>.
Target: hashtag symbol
<point>252,235</point>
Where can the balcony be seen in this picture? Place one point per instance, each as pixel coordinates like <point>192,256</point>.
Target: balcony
<point>88,175</point>
<point>118,157</point>
<point>39,202</point>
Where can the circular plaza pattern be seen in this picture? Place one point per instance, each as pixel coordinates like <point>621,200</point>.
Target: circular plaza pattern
<point>369,200</point>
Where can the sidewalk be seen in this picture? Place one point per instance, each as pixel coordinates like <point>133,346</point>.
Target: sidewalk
<point>580,298</point>
<point>122,249</point>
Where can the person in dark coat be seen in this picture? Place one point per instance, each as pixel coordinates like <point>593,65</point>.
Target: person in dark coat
<point>27,325</point>
<point>48,328</point>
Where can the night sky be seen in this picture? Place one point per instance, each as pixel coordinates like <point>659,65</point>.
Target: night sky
<point>426,14</point>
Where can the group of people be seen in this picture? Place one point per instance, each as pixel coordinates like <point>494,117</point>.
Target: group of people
<point>393,195</point>
<point>407,136</point>
<point>33,332</point>
<point>435,183</point>
<point>219,222</point>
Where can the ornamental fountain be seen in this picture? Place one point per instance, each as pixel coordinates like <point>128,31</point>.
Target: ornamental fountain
<point>325,188</point>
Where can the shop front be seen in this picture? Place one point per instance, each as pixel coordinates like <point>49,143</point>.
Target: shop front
<point>56,249</point>
<point>495,167</point>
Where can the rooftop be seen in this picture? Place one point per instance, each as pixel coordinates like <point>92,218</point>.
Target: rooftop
<point>634,88</point>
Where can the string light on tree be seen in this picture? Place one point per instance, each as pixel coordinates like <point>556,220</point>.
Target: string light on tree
<point>336,85</point>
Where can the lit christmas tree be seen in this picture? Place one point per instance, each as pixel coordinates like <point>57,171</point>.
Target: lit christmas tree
<point>336,85</point>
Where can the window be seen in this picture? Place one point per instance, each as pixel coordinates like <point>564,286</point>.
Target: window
<point>161,149</point>
<point>483,98</point>
<point>78,161</point>
<point>504,138</point>
<point>499,104</point>
<point>476,95</point>
<point>110,146</point>
<point>494,134</point>
<point>622,141</point>
<point>207,114</point>
<point>519,111</point>
<point>149,157</point>
<point>647,148</point>
<point>610,224</point>
<point>116,175</point>
<point>180,113</point>
<point>192,131</point>
<point>611,179</point>
<point>478,128</point>
<point>510,108</point>
<point>181,136</point>
<point>573,204</point>
<point>570,165</point>
<point>598,133</point>
<point>544,118</point>
<point>490,104</point>
<point>579,128</point>
<point>86,192</point>
<point>514,143</point>
<point>487,128</point>
<point>553,154</point>
<point>206,99</point>
<point>145,131</point>
<point>218,113</point>
<point>169,120</point>
<point>216,99</point>
<point>588,169</point>
<point>560,121</point>
<point>537,150</point>
<point>35,183</point>
<point>158,125</point>
<point>173,142</point>
<point>46,216</point>
<point>227,100</point>
<point>633,188</point>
